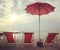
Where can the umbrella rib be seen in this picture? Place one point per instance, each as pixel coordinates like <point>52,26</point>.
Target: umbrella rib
<point>50,7</point>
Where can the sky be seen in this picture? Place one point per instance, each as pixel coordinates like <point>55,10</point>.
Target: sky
<point>13,17</point>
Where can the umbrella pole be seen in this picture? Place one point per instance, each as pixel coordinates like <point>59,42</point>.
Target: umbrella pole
<point>39,22</point>
<point>39,27</point>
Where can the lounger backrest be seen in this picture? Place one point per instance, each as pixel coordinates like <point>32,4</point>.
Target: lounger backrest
<point>9,36</point>
<point>51,37</point>
<point>28,37</point>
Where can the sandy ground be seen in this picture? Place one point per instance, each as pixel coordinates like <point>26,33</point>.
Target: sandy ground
<point>28,48</point>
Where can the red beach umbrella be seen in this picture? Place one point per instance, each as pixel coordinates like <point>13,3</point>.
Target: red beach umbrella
<point>39,9</point>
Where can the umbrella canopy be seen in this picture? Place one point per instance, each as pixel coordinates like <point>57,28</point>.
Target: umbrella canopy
<point>39,9</point>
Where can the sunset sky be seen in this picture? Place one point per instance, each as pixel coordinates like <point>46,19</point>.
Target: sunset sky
<point>13,17</point>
